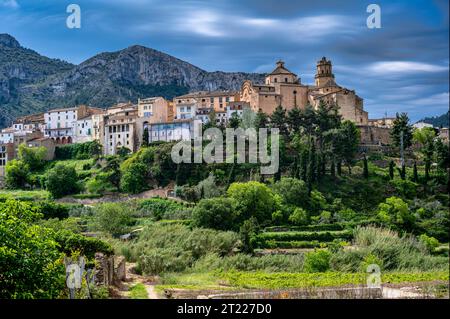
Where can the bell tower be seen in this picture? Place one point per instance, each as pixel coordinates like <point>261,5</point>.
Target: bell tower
<point>324,72</point>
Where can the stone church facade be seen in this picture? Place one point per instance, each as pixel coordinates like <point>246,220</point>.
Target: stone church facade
<point>283,87</point>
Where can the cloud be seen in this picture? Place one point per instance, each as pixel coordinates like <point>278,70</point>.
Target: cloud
<point>402,67</point>
<point>9,4</point>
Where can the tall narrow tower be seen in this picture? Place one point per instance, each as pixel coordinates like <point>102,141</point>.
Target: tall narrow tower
<point>324,72</point>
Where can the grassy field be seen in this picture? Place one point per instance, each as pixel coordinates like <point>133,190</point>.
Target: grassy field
<point>264,280</point>
<point>25,195</point>
<point>138,291</point>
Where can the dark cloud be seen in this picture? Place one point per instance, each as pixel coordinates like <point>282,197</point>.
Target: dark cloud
<point>249,35</point>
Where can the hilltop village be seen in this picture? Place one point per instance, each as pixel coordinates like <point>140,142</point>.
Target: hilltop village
<point>124,124</point>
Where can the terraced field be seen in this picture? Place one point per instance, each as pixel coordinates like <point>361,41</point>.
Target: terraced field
<point>312,236</point>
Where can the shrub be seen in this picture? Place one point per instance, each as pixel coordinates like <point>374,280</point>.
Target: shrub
<point>34,157</point>
<point>30,263</point>
<point>394,211</point>
<point>86,246</point>
<point>393,252</point>
<point>50,209</point>
<point>62,180</point>
<point>160,208</point>
<point>133,178</point>
<point>253,199</point>
<point>299,217</point>
<point>112,218</point>
<point>317,261</point>
<point>430,243</point>
<point>17,173</point>
<point>215,213</point>
<point>293,192</point>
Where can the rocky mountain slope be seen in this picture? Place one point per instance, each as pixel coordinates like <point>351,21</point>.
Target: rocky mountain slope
<point>30,82</point>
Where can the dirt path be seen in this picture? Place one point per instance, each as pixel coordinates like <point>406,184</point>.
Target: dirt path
<point>133,279</point>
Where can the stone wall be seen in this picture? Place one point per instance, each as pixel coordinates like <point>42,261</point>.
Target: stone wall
<point>109,269</point>
<point>371,135</point>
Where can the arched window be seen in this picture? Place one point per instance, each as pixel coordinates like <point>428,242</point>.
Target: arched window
<point>286,80</point>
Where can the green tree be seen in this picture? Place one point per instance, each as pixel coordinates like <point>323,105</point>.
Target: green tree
<point>415,174</point>
<point>278,120</point>
<point>62,180</point>
<point>216,213</point>
<point>17,174</point>
<point>145,140</point>
<point>95,149</point>
<point>311,168</point>
<point>34,157</point>
<point>234,121</point>
<point>394,211</point>
<point>299,217</point>
<point>391,169</point>
<point>253,199</point>
<point>365,167</point>
<point>261,120</point>
<point>113,170</point>
<point>30,263</point>
<point>292,191</point>
<point>113,218</point>
<point>350,140</point>
<point>134,178</point>
<point>123,151</point>
<point>294,119</point>
<point>401,124</point>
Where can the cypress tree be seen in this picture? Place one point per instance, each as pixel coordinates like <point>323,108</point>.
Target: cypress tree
<point>339,168</point>
<point>366,168</point>
<point>415,174</point>
<point>145,140</point>
<point>391,169</point>
<point>333,169</point>
<point>403,172</point>
<point>311,171</point>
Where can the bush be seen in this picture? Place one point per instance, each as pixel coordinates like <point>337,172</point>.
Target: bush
<point>253,199</point>
<point>114,219</point>
<point>85,246</point>
<point>215,213</point>
<point>396,212</point>
<point>174,247</point>
<point>30,263</point>
<point>133,178</point>
<point>159,208</point>
<point>392,251</point>
<point>17,173</point>
<point>299,217</point>
<point>430,243</point>
<point>317,261</point>
<point>293,192</point>
<point>62,180</point>
<point>50,209</point>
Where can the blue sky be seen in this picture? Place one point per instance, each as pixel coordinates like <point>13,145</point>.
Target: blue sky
<point>404,66</point>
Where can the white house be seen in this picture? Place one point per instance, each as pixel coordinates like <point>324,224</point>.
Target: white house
<point>421,125</point>
<point>60,125</point>
<point>173,131</point>
<point>84,130</point>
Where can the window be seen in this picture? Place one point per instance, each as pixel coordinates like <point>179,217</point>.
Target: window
<point>286,80</point>
<point>276,80</point>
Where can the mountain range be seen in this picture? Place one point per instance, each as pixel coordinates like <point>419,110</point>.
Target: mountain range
<point>32,83</point>
<point>438,121</point>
